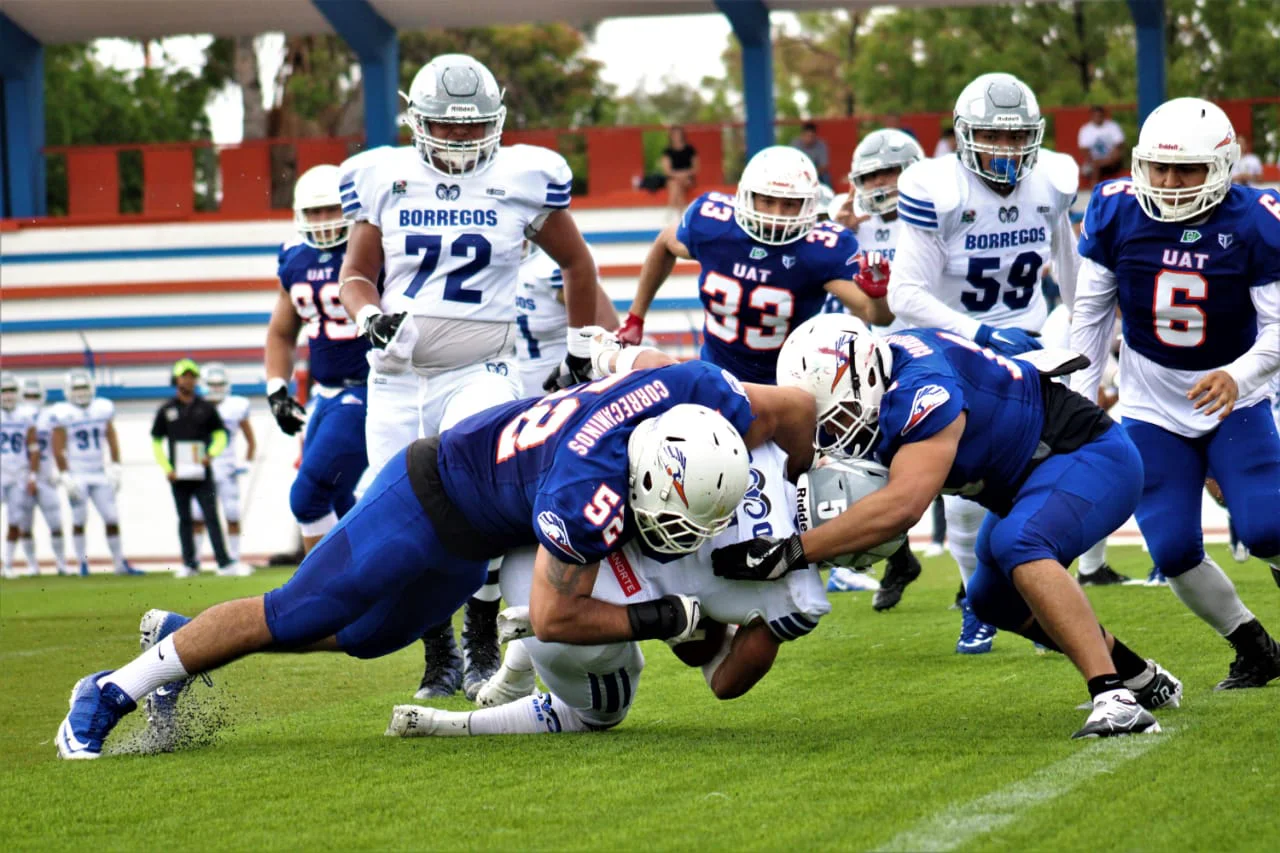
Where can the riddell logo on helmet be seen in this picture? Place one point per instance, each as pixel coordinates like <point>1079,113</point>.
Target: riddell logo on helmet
<point>1169,146</point>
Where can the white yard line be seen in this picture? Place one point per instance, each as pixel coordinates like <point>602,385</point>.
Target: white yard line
<point>961,823</point>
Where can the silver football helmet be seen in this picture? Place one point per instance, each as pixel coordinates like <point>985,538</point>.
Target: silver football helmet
<point>879,150</point>
<point>455,89</point>
<point>835,485</point>
<point>216,382</point>
<point>10,392</point>
<point>33,392</point>
<point>78,386</point>
<point>998,101</point>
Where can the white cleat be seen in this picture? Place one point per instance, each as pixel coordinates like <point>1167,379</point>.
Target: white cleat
<point>185,572</point>
<point>417,721</point>
<point>1116,713</point>
<point>235,570</point>
<point>507,685</point>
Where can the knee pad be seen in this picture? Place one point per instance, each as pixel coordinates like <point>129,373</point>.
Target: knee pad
<point>80,511</point>
<point>1174,551</point>
<point>995,600</point>
<point>309,499</point>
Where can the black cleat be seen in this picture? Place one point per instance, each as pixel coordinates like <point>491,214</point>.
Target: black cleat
<point>443,671</point>
<point>480,654</point>
<point>1104,576</point>
<point>1164,690</point>
<point>1252,670</point>
<point>958,604</point>
<point>903,568</point>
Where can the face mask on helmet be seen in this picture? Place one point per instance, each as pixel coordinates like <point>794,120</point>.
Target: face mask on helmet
<point>1182,133</point>
<point>998,104</point>
<point>79,388</point>
<point>884,152</point>
<point>317,208</point>
<point>9,392</point>
<point>460,98</point>
<point>774,179</point>
<point>33,392</point>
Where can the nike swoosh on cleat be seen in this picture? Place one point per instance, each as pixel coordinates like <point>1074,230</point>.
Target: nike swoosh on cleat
<point>69,737</point>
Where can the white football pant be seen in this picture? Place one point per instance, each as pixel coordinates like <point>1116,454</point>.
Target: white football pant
<point>964,518</point>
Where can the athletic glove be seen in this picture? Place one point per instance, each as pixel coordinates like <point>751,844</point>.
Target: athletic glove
<point>379,328</point>
<point>873,276</point>
<point>513,624</point>
<point>764,558</point>
<point>287,411</point>
<point>673,618</point>
<point>74,492</point>
<point>114,476</point>
<point>1008,342</point>
<point>631,330</point>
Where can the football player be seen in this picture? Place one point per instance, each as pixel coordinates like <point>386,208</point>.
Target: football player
<point>332,462</point>
<point>83,427</point>
<point>979,226</point>
<point>17,480</point>
<point>946,414</point>
<point>446,219</point>
<point>766,264</point>
<point>226,467</point>
<point>591,688</point>
<point>40,460</point>
<point>578,473</point>
<point>1194,264</point>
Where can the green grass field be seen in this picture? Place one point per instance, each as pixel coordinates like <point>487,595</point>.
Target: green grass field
<point>869,734</point>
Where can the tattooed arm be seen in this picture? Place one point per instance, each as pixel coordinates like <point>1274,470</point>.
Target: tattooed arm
<point>561,609</point>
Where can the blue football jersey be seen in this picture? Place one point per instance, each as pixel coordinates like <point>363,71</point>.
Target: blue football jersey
<point>755,294</point>
<point>553,470</point>
<point>936,376</point>
<point>310,277</point>
<point>1184,290</point>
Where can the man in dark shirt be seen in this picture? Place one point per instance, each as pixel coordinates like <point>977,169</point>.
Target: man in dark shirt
<point>680,165</point>
<point>195,434</point>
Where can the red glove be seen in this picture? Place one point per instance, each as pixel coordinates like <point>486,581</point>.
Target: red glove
<point>631,330</point>
<point>873,275</point>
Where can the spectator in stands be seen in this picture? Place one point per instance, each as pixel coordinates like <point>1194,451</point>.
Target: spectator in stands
<point>195,435</point>
<point>816,149</point>
<point>1101,143</point>
<point>680,165</point>
<point>1248,169</point>
<point>946,143</point>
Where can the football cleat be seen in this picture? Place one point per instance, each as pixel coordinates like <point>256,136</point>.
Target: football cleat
<point>84,568</point>
<point>1162,690</point>
<point>1104,575</point>
<point>976,636</point>
<point>127,569</point>
<point>1115,713</point>
<point>902,569</point>
<point>1240,552</point>
<point>506,685</point>
<point>442,674</point>
<point>184,572</point>
<point>480,653</point>
<point>94,713</point>
<point>1156,577</point>
<point>1255,669</point>
<point>934,549</point>
<point>162,703</point>
<point>234,570</point>
<point>417,721</point>
<point>847,580</point>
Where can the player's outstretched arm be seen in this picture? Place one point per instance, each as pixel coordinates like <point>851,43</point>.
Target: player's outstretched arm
<point>920,257</point>
<point>869,309</point>
<point>1093,320</point>
<point>752,650</point>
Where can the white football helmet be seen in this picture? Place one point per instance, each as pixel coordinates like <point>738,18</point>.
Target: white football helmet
<point>688,471</point>
<point>998,101</point>
<point>1185,130</point>
<point>833,486</point>
<point>455,89</point>
<point>318,188</point>
<point>879,150</point>
<point>33,392</point>
<point>216,382</point>
<point>10,391</point>
<point>779,171</point>
<point>78,386</point>
<point>837,359</point>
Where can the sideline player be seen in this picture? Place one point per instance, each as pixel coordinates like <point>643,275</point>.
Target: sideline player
<point>1194,264</point>
<point>332,462</point>
<point>82,425</point>
<point>766,264</point>
<point>1055,472</point>
<point>17,480</point>
<point>981,223</point>
<point>40,450</point>
<point>446,218</point>
<point>226,466</point>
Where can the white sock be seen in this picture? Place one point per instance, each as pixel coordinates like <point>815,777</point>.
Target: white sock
<point>117,550</point>
<point>156,666</point>
<point>540,713</point>
<point>1093,559</point>
<point>1209,593</point>
<point>77,542</point>
<point>29,549</point>
<point>233,547</point>
<point>59,551</point>
<point>10,546</point>
<point>517,657</point>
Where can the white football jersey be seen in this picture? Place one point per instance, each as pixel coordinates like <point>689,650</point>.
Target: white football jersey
<point>452,244</point>
<point>980,253</point>
<point>86,428</point>
<point>13,440</point>
<point>44,437</point>
<point>234,411</point>
<point>540,314</point>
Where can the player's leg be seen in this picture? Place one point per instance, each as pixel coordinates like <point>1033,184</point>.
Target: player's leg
<point>79,515</point>
<point>51,508</point>
<point>206,495</point>
<point>104,501</point>
<point>228,488</point>
<point>938,539</point>
<point>198,529</point>
<point>1244,456</point>
<point>392,419</point>
<point>901,569</point>
<point>964,519</point>
<point>331,466</point>
<point>12,497</point>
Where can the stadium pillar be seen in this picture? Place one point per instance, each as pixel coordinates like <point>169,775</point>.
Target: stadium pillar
<point>750,22</point>
<point>1149,21</point>
<point>22,186</point>
<point>375,43</point>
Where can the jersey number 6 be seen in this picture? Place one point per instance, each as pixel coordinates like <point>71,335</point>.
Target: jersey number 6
<point>1179,325</point>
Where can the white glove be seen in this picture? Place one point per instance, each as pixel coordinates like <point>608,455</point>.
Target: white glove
<point>692,616</point>
<point>397,357</point>
<point>603,346</point>
<point>74,492</point>
<point>115,475</point>
<point>513,624</point>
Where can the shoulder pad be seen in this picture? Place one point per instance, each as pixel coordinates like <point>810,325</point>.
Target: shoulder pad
<point>933,182</point>
<point>1265,210</point>
<point>544,175</point>
<point>1061,170</point>
<point>1103,204</point>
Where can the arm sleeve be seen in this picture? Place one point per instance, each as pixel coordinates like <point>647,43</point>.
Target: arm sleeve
<point>1093,320</point>
<point>217,443</point>
<point>1260,362</point>
<point>1066,258</point>
<point>161,454</point>
<point>919,257</point>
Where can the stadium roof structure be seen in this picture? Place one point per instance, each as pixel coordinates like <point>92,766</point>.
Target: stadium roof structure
<point>370,27</point>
